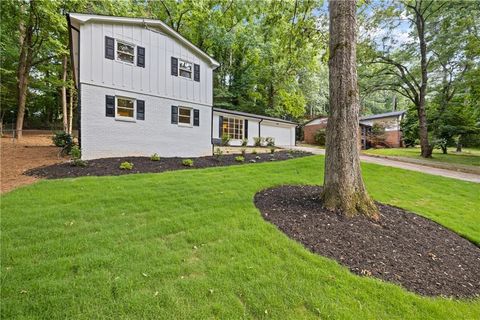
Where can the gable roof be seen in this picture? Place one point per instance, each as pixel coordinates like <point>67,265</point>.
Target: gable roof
<point>81,18</point>
<point>251,115</point>
<point>383,115</point>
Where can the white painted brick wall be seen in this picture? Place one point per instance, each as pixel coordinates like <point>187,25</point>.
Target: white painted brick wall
<point>103,136</point>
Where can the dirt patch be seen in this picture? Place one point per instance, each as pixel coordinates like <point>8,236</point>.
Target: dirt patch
<point>404,248</point>
<point>34,150</point>
<point>110,166</point>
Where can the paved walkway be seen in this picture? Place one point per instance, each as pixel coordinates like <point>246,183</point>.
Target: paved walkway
<point>407,166</point>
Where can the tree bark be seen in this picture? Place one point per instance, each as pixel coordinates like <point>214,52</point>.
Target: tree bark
<point>344,190</point>
<point>426,148</point>
<point>70,113</point>
<point>24,65</point>
<point>64,94</point>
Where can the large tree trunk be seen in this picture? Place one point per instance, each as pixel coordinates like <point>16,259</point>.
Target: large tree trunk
<point>344,189</point>
<point>64,94</point>
<point>426,148</point>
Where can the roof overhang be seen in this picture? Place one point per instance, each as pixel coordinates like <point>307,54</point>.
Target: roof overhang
<point>77,19</point>
<point>254,116</point>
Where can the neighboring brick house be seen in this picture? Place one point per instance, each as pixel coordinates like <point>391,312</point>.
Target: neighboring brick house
<point>390,120</point>
<point>311,127</point>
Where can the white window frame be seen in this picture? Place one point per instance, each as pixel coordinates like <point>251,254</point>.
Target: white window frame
<point>243,127</point>
<point>179,68</point>
<point>122,118</point>
<point>183,124</point>
<point>128,44</point>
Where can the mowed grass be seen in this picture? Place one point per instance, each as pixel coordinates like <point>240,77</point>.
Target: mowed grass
<point>192,245</point>
<point>469,157</point>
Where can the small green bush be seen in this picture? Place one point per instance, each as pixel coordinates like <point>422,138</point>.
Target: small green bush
<point>155,157</point>
<point>226,140</point>
<point>244,142</point>
<point>240,159</point>
<point>258,141</point>
<point>76,156</point>
<point>218,153</point>
<point>63,140</point>
<point>272,150</point>
<point>243,151</point>
<point>270,141</point>
<point>254,151</point>
<point>126,165</point>
<point>320,137</point>
<point>187,162</point>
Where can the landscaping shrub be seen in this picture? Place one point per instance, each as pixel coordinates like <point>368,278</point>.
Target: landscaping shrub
<point>226,140</point>
<point>76,156</point>
<point>218,153</point>
<point>270,141</point>
<point>376,137</point>
<point>254,151</point>
<point>187,162</point>
<point>240,159</point>
<point>126,165</point>
<point>258,141</point>
<point>63,140</point>
<point>243,151</point>
<point>155,157</point>
<point>320,137</point>
<point>272,150</point>
<point>244,142</point>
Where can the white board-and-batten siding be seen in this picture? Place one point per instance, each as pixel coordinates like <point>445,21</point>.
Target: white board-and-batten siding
<point>155,78</point>
<point>103,136</point>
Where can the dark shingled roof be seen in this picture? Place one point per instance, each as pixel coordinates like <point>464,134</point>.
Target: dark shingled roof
<point>383,115</point>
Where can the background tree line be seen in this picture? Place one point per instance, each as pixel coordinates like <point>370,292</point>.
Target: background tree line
<point>274,58</point>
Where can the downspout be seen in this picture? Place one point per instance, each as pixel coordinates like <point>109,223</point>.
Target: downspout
<point>259,125</point>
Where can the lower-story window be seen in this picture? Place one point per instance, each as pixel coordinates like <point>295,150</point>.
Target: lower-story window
<point>184,116</point>
<point>125,107</point>
<point>233,127</point>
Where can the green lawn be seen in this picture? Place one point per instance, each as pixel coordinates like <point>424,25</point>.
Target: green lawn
<point>470,157</point>
<point>191,245</point>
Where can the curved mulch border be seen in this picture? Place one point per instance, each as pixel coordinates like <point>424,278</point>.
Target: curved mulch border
<point>402,247</point>
<point>110,166</point>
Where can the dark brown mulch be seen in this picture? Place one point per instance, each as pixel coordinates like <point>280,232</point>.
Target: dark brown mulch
<point>402,247</point>
<point>110,166</point>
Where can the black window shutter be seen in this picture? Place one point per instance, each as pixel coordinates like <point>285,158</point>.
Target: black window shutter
<point>110,106</point>
<point>220,126</point>
<point>109,48</point>
<point>196,72</point>
<point>141,57</point>
<point>140,110</point>
<point>174,66</point>
<point>196,117</point>
<point>245,128</point>
<point>174,114</point>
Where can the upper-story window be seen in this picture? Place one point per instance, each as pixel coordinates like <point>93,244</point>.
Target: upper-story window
<point>185,69</point>
<point>125,52</point>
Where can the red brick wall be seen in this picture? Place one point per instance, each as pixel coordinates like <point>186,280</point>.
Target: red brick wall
<point>309,132</point>
<point>393,138</point>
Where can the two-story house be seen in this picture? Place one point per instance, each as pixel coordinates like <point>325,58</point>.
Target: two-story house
<point>144,89</point>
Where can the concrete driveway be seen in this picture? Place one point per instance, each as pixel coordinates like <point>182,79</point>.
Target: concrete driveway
<point>404,165</point>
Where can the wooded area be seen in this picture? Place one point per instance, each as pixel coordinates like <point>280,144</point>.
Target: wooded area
<point>422,56</point>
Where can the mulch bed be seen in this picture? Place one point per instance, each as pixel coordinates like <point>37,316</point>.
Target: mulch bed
<point>110,166</point>
<point>402,247</point>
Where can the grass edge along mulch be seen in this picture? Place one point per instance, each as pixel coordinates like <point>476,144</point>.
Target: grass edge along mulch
<point>402,247</point>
